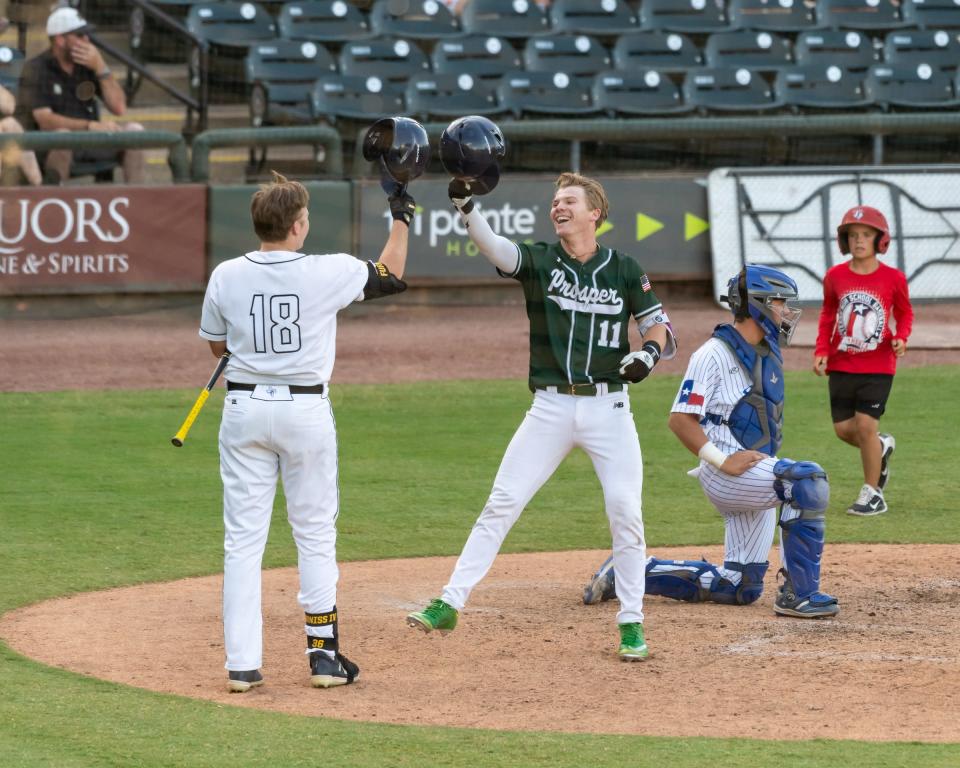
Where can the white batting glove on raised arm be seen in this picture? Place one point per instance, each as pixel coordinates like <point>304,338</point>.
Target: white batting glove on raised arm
<point>636,366</point>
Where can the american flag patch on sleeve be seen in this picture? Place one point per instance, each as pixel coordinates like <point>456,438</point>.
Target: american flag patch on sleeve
<point>645,282</point>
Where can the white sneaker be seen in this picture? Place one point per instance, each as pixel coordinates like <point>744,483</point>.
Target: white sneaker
<point>870,502</point>
<point>889,446</point>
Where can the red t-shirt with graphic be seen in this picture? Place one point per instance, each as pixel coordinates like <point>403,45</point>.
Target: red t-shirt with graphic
<point>861,316</point>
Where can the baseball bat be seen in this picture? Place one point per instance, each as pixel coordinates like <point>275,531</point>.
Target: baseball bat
<point>181,435</point>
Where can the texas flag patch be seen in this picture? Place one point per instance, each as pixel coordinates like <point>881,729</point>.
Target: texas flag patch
<point>690,393</point>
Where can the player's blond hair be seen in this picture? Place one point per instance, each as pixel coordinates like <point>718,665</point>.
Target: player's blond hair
<point>596,197</point>
<point>276,206</point>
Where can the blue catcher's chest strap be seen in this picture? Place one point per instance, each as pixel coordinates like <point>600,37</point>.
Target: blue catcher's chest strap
<point>764,432</point>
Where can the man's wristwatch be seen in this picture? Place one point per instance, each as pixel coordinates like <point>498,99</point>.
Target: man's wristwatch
<point>105,74</point>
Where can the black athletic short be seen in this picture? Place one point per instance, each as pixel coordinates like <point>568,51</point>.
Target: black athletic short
<point>858,393</point>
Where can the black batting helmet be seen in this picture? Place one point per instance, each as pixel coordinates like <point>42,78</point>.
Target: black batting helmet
<point>402,147</point>
<point>470,150</point>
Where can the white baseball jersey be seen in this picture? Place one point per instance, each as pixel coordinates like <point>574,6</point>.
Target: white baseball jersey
<point>277,312</point>
<point>713,384</point>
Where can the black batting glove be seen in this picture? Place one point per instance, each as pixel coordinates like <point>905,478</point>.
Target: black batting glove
<point>402,206</point>
<point>460,195</point>
<point>636,366</point>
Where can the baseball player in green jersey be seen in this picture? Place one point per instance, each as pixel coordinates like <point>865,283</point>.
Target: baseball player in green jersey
<point>580,298</point>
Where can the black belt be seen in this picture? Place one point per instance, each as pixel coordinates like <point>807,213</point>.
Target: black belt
<point>587,390</point>
<point>295,389</point>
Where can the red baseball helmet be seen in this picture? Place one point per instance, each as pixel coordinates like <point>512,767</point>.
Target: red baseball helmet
<point>864,214</point>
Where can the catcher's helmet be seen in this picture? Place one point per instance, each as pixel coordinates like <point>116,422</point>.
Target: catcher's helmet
<point>750,292</point>
<point>470,150</point>
<point>871,217</point>
<point>402,147</point>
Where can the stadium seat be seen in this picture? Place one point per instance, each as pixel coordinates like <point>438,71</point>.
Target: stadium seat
<point>323,21</point>
<point>847,49</point>
<point>545,93</point>
<point>938,48</point>
<point>663,51</point>
<point>910,86</point>
<point>931,14</point>
<point>772,15</point>
<point>638,92</point>
<point>11,62</point>
<point>572,54</point>
<point>413,19</point>
<point>280,75</point>
<point>691,16</point>
<point>592,17</point>
<point>355,98</point>
<point>506,18</point>
<point>758,50</point>
<point>820,86</point>
<point>483,56</point>
<point>448,95</point>
<point>229,28</point>
<point>389,58</point>
<point>152,40</point>
<point>859,14</point>
<point>728,90</point>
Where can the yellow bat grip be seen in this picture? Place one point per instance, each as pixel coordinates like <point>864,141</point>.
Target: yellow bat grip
<point>191,417</point>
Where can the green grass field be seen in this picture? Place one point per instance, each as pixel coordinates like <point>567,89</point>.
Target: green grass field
<point>94,496</point>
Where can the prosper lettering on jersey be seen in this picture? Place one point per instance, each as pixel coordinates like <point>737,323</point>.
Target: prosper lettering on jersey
<point>576,298</point>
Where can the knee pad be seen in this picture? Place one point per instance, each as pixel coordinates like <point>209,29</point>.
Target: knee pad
<point>803,485</point>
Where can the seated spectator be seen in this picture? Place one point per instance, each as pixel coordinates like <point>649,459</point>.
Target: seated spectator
<point>59,91</point>
<point>11,154</point>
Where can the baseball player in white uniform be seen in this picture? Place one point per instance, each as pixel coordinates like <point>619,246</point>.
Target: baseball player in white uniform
<point>580,299</point>
<point>276,309</point>
<point>729,412</point>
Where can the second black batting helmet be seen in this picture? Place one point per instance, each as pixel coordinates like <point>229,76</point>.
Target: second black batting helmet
<point>471,149</point>
<point>402,147</point>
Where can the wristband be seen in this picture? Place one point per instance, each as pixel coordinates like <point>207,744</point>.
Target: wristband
<point>712,455</point>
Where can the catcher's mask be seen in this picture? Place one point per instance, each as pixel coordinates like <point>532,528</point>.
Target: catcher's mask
<point>871,217</point>
<point>470,150</point>
<point>751,293</point>
<point>402,147</point>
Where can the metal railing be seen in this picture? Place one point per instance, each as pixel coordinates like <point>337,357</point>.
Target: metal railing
<point>318,135</point>
<point>119,140</point>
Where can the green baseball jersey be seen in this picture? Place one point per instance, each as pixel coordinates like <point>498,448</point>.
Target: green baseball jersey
<point>580,313</point>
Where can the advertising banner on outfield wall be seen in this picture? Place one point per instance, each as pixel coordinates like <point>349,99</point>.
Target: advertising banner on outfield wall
<point>660,221</point>
<point>787,218</point>
<point>104,238</point>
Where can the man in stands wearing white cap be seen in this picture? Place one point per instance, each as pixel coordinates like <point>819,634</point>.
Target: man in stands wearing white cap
<point>59,91</point>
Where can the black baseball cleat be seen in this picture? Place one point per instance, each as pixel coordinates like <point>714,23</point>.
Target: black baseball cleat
<point>870,502</point>
<point>327,671</point>
<point>243,681</point>
<point>814,606</point>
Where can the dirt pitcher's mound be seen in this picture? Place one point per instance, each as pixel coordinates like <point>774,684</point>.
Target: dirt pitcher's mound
<point>528,655</point>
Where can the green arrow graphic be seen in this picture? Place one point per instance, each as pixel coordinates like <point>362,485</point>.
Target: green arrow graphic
<point>646,226</point>
<point>604,228</point>
<point>693,226</point>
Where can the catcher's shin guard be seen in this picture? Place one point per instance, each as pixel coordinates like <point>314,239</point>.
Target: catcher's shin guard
<point>803,488</point>
<point>680,580</point>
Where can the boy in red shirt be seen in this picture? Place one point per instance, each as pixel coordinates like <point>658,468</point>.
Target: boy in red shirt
<point>858,348</point>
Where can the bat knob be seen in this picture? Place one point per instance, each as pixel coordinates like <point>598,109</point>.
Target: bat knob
<point>177,442</point>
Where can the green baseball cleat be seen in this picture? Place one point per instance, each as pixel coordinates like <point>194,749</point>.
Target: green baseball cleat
<point>632,645</point>
<point>438,615</point>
